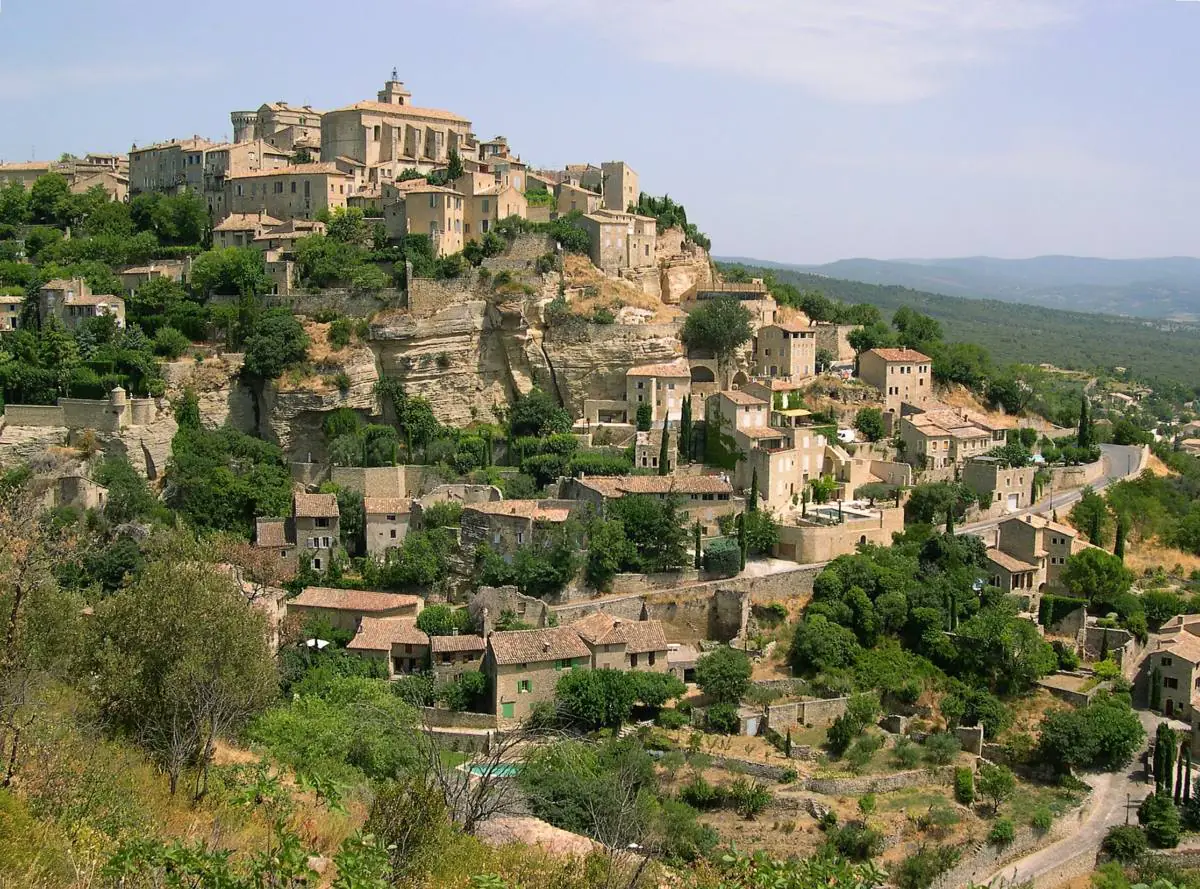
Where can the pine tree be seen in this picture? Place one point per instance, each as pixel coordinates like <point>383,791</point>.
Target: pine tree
<point>1187,771</point>
<point>1179,775</point>
<point>1119,546</point>
<point>753,505</point>
<point>1084,438</point>
<point>663,450</point>
<point>685,430</point>
<point>1094,527</point>
<point>696,539</point>
<point>1156,681</point>
<point>743,543</point>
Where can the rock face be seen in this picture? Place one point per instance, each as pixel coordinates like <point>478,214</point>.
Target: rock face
<point>591,362</point>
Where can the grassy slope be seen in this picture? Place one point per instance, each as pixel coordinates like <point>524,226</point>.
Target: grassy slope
<point>1030,334</point>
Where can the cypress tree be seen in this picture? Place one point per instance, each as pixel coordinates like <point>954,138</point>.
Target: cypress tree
<point>1104,646</point>
<point>1094,528</point>
<point>949,519</point>
<point>1158,766</point>
<point>1156,681</point>
<point>787,743</point>
<point>804,503</point>
<point>1187,771</point>
<point>696,537</point>
<point>663,469</point>
<point>743,544</point>
<point>685,430</point>
<point>1179,775</point>
<point>1164,741</point>
<point>753,506</point>
<point>1084,438</point>
<point>1119,546</point>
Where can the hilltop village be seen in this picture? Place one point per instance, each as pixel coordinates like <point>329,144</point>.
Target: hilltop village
<point>502,447</point>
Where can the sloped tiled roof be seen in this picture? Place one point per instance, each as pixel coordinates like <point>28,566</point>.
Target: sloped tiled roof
<point>673,369</point>
<point>381,633</point>
<point>410,110</point>
<point>1183,645</point>
<point>315,506</point>
<point>909,355</point>
<point>353,600</point>
<point>467,642</point>
<point>240,222</point>
<point>1009,563</point>
<point>525,509</point>
<point>533,646</point>
<point>760,432</point>
<point>271,532</point>
<point>637,635</point>
<point>737,396</point>
<point>618,485</point>
<point>386,505</point>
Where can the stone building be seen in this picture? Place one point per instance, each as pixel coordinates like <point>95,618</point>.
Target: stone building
<point>1036,540</point>
<point>941,438</point>
<point>169,167</point>
<point>431,210</point>
<point>701,498</point>
<point>786,350</point>
<point>508,525</point>
<point>574,199</point>
<point>451,656</point>
<point>237,159</point>
<point>72,303</point>
<point>662,386</point>
<point>621,240</point>
<point>392,134</point>
<point>647,447</point>
<point>901,375</point>
<point>524,667</point>
<point>396,641</point>
<point>346,609</point>
<point>10,311</point>
<point>242,229</point>
<point>295,192</point>
<point>1176,656</point>
<point>618,644</point>
<point>754,297</point>
<point>388,520</point>
<point>289,128</point>
<point>1008,488</point>
<point>620,186</point>
<point>313,528</point>
<point>486,202</point>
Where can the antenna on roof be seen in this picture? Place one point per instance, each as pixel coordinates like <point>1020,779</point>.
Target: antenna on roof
<point>395,74</point>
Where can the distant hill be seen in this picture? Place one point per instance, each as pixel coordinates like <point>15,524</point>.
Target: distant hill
<point>1166,288</point>
<point>1030,334</point>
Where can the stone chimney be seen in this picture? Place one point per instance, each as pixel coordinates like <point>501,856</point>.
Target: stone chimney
<point>486,623</point>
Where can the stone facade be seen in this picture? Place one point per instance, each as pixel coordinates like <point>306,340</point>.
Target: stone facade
<point>786,351</point>
<point>294,192</point>
<point>808,542</point>
<point>899,374</point>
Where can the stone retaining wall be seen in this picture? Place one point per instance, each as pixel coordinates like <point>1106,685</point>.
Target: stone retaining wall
<point>795,714</point>
<point>877,784</point>
<point>1077,476</point>
<point>436,716</point>
<point>50,415</point>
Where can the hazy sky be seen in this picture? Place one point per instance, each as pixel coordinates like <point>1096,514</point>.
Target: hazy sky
<point>794,130</point>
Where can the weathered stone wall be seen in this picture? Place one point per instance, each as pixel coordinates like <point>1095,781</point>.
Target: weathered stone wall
<point>1077,476</point>
<point>341,301</point>
<point>89,413</point>
<point>809,544</point>
<point>426,296</point>
<point>881,784</point>
<point>436,716</point>
<point>834,337</point>
<point>1071,625</point>
<point>50,415</point>
<point>971,738</point>
<point>800,714</point>
<point>498,600</point>
<point>522,253</point>
<point>892,473</point>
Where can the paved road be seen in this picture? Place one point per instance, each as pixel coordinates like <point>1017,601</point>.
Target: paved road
<point>1120,461</point>
<point>1113,794</point>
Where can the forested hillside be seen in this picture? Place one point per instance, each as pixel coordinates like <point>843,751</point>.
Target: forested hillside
<point>1013,332</point>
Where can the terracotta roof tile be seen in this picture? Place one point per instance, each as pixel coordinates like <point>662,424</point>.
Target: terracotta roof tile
<point>909,355</point>
<point>1009,563</point>
<point>637,636</point>
<point>381,633</point>
<point>271,532</point>
<point>760,432</point>
<point>407,110</point>
<point>611,486</point>
<point>737,396</point>
<point>526,509</point>
<point>315,506</point>
<point>240,222</point>
<point>535,646</point>
<point>675,369</point>
<point>387,505</point>
<point>354,600</point>
<point>1183,645</point>
<point>461,642</point>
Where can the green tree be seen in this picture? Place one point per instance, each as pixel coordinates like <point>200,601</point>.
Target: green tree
<point>596,698</point>
<point>14,204</point>
<point>696,544</point>
<point>743,543</point>
<point>1097,576</point>
<point>1086,435</point>
<point>180,660</point>
<point>752,504</point>
<point>1156,681</point>
<point>49,199</point>
<point>724,675</point>
<point>654,529</point>
<point>869,421</point>
<point>1103,734</point>
<point>454,166</point>
<point>1119,545</point>
<point>997,783</point>
<point>608,551</point>
<point>663,467</point>
<point>644,417</point>
<point>277,342</point>
<point>685,431</point>
<point>231,271</point>
<point>1092,516</point>
<point>537,413</point>
<point>761,532</point>
<point>720,326</point>
<point>1158,815</point>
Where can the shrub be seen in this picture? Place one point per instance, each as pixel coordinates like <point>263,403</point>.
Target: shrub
<point>699,794</point>
<point>964,785</point>
<point>339,332</point>
<point>723,719</point>
<point>906,753</point>
<point>671,719</point>
<point>860,753</point>
<point>1001,833</point>
<point>855,841</point>
<point>1158,815</point>
<point>1125,843</point>
<point>919,870</point>
<point>170,343</point>
<point>941,749</point>
<point>446,514</point>
<point>1042,819</point>
<point>749,798</point>
<point>789,776</point>
<point>723,557</point>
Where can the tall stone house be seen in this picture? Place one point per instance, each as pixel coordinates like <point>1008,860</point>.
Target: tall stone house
<point>1176,656</point>
<point>314,527</point>
<point>525,665</point>
<point>901,375</point>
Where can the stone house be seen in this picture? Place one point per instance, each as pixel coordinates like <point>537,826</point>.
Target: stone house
<point>785,465</point>
<point>435,211</point>
<point>295,192</point>
<point>1014,575</point>
<point>72,303</point>
<point>1009,488</point>
<point>236,159</point>
<point>822,538</point>
<point>937,437</point>
<point>314,527</point>
<point>647,447</point>
<point>10,312</point>
<point>787,350</point>
<point>508,171</point>
<point>134,276</point>
<point>900,374</point>
<point>486,202</point>
<point>1177,656</point>
<point>77,491</point>
<point>754,296</point>
<point>451,656</point>
<point>346,609</point>
<point>242,229</point>
<point>618,644</point>
<point>573,199</point>
<point>168,167</point>
<point>508,525</point>
<point>662,386</point>
<point>394,134</point>
<point>394,640</point>
<point>620,186</point>
<point>702,498</point>
<point>621,240</point>
<point>388,520</point>
<point>524,667</point>
<point>1037,540</point>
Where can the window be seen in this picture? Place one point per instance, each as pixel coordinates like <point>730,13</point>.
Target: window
<point>563,664</point>
<point>283,554</point>
<point>393,533</point>
<point>633,660</point>
<point>432,200</point>
<point>1171,682</point>
<point>520,537</point>
<point>486,205</point>
<point>293,188</point>
<point>445,657</point>
<point>1166,662</point>
<point>524,686</point>
<point>376,134</point>
<point>322,523</point>
<point>650,659</point>
<point>317,564</point>
<point>391,517</point>
<point>278,188</point>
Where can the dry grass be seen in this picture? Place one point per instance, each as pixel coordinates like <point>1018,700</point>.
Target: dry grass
<point>603,292</point>
<point>1157,467</point>
<point>1153,555</point>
